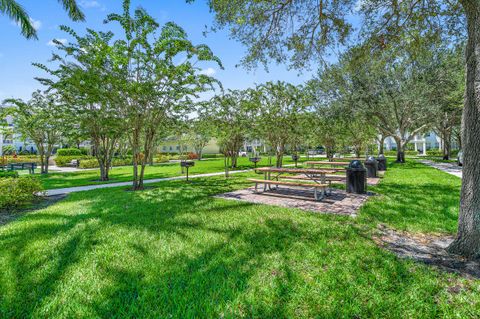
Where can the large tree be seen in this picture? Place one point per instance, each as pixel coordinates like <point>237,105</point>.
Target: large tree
<point>280,108</point>
<point>88,78</point>
<point>302,31</point>
<point>161,73</point>
<point>446,89</point>
<point>232,117</point>
<point>40,119</point>
<point>17,13</point>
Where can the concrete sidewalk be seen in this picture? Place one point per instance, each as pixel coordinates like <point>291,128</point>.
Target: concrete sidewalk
<point>450,168</point>
<point>59,191</point>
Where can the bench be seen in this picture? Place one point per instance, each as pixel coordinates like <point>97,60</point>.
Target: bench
<point>20,166</point>
<point>323,187</point>
<point>74,163</point>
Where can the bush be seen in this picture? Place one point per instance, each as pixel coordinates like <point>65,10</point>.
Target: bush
<point>435,153</point>
<point>192,156</point>
<point>62,161</point>
<point>8,174</point>
<point>19,191</point>
<point>70,152</point>
<point>20,159</point>
<point>93,163</point>
<point>161,159</point>
<point>212,155</point>
<point>8,150</point>
<point>394,153</point>
<point>88,163</point>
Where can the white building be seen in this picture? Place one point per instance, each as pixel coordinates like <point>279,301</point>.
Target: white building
<point>8,137</point>
<point>421,143</point>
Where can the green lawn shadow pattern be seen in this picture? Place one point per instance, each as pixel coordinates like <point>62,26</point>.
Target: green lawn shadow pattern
<point>175,252</point>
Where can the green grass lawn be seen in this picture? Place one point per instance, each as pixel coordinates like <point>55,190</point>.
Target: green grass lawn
<point>124,173</point>
<point>173,251</point>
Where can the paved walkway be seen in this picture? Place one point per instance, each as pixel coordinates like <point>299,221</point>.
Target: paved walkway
<point>450,168</point>
<point>59,191</point>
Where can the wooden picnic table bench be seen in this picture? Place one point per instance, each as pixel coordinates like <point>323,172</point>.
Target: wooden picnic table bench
<point>323,187</point>
<point>313,163</point>
<point>317,176</point>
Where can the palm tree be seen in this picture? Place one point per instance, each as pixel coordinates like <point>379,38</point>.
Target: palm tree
<point>18,14</point>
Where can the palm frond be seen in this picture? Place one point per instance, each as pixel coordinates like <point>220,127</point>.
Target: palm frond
<point>18,14</point>
<point>73,10</point>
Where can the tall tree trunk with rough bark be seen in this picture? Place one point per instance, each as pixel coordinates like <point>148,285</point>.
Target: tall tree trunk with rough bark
<point>467,242</point>
<point>400,150</point>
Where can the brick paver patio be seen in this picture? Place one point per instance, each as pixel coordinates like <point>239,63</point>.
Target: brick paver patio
<point>339,202</point>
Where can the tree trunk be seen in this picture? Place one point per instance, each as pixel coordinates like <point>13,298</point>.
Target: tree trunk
<point>380,145</point>
<point>447,145</point>
<point>45,166</point>
<point>467,242</point>
<point>400,150</point>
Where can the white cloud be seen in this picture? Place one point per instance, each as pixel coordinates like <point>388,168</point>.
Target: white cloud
<point>37,24</point>
<point>51,43</point>
<point>208,71</point>
<point>90,4</point>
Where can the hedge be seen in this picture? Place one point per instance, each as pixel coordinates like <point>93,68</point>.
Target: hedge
<point>22,159</point>
<point>19,191</point>
<point>93,163</point>
<point>62,161</point>
<point>71,152</point>
<point>394,153</point>
<point>212,155</point>
<point>8,174</point>
<point>439,153</point>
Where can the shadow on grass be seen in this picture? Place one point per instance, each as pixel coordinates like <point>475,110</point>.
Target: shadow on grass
<point>176,252</point>
<point>415,197</point>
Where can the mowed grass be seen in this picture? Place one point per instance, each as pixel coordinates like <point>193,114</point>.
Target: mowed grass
<point>124,173</point>
<point>176,252</point>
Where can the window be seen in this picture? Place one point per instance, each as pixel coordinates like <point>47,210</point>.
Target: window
<point>164,148</point>
<point>171,148</point>
<point>178,147</point>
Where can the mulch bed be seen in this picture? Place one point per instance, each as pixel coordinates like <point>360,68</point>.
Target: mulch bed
<point>427,248</point>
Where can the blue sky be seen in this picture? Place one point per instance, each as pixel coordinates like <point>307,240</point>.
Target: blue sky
<point>17,53</point>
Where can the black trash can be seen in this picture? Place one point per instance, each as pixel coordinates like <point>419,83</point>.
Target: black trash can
<point>356,178</point>
<point>371,166</point>
<point>382,162</point>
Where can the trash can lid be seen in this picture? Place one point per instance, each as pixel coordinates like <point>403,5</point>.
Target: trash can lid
<point>355,164</point>
<point>371,159</point>
<point>381,156</point>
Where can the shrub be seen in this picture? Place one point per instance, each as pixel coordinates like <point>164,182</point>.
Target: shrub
<point>212,155</point>
<point>394,153</point>
<point>8,174</point>
<point>88,163</point>
<point>19,191</point>
<point>93,163</point>
<point>161,158</point>
<point>435,153</point>
<point>192,156</point>
<point>69,152</point>
<point>66,160</point>
<point>8,149</point>
<point>21,159</point>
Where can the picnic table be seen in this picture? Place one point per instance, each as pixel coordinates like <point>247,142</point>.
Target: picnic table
<point>317,177</point>
<point>323,163</point>
<point>20,166</point>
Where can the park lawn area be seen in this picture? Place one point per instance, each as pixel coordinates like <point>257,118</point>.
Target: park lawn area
<point>124,173</point>
<point>173,251</point>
